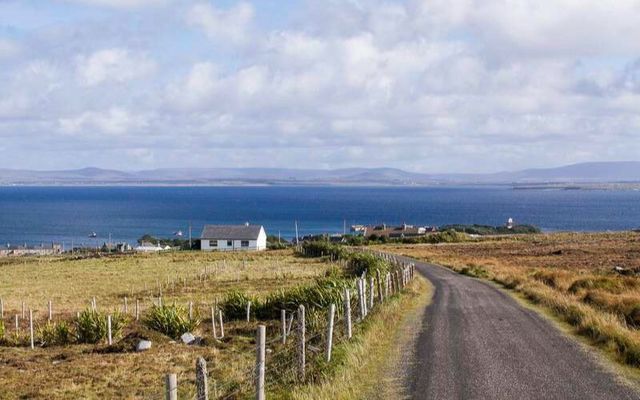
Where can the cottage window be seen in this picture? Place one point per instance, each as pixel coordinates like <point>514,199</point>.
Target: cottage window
<point>213,243</point>
<point>229,243</point>
<point>244,243</point>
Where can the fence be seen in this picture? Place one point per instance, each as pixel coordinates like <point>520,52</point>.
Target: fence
<point>292,351</point>
<point>294,354</point>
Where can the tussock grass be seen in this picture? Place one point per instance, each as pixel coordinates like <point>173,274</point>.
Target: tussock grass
<point>171,320</point>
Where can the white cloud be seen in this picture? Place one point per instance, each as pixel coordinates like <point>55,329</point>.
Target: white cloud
<point>8,48</point>
<point>435,82</point>
<point>225,26</point>
<point>115,121</point>
<point>115,65</point>
<point>125,4</point>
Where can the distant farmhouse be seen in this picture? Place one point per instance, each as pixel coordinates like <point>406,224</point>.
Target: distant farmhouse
<point>233,238</point>
<point>40,250</point>
<point>393,232</point>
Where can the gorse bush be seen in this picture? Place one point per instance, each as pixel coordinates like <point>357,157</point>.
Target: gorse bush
<point>171,320</point>
<point>1,329</point>
<point>91,326</point>
<point>54,334</point>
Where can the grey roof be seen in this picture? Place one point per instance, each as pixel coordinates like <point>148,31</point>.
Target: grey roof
<point>231,232</point>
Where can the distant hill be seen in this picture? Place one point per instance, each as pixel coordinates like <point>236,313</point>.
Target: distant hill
<point>585,173</point>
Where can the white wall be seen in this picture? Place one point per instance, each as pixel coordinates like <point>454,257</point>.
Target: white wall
<point>236,245</point>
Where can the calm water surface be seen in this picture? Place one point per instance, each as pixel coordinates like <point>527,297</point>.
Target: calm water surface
<point>62,214</point>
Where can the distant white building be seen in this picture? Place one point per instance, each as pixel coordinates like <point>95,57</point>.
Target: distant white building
<point>233,238</point>
<point>146,247</point>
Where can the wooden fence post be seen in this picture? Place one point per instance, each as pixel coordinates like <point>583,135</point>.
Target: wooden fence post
<point>248,311</point>
<point>221,324</point>
<point>379,284</point>
<point>360,307</point>
<point>1,309</point>
<point>387,286</point>
<point>290,324</point>
<point>332,313</point>
<point>260,361</point>
<point>50,308</point>
<point>23,311</point>
<point>190,310</point>
<point>371,286</point>
<point>137,309</point>
<point>109,338</point>
<point>126,306</point>
<point>283,322</point>
<point>364,294</point>
<point>31,327</point>
<point>171,387</point>
<point>301,343</point>
<point>347,312</point>
<point>213,322</point>
<point>17,324</point>
<point>202,386</point>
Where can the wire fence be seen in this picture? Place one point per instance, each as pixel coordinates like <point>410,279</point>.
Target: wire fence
<point>304,354</point>
<point>296,348</point>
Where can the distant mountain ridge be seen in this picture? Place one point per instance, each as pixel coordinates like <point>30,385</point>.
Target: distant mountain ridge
<point>593,172</point>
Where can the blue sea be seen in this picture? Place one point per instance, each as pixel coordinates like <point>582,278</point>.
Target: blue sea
<point>34,215</point>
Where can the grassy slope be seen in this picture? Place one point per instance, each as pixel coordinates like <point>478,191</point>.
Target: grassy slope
<point>569,275</point>
<point>367,366</point>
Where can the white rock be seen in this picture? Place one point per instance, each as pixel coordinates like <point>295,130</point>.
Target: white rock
<point>143,345</point>
<point>187,338</point>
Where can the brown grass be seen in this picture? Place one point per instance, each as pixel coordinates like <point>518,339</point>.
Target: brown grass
<point>88,371</point>
<point>569,273</point>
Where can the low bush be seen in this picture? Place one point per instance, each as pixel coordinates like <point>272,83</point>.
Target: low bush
<point>475,271</point>
<point>91,326</point>
<point>609,284</point>
<point>54,334</point>
<point>322,248</point>
<point>1,330</point>
<point>359,263</point>
<point>170,320</point>
<point>448,236</point>
<point>493,230</point>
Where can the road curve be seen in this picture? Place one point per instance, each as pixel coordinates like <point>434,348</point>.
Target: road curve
<point>476,342</point>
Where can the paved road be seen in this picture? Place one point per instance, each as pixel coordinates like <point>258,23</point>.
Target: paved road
<point>476,342</point>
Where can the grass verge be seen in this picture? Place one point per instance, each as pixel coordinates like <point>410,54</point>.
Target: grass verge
<point>364,367</point>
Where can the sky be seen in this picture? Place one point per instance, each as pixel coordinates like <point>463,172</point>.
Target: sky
<point>423,85</point>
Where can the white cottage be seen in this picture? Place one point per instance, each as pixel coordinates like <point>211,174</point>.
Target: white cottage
<point>233,238</point>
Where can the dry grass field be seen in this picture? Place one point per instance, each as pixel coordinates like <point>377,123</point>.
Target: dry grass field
<point>571,274</point>
<point>100,371</point>
<point>72,283</point>
<point>70,369</point>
